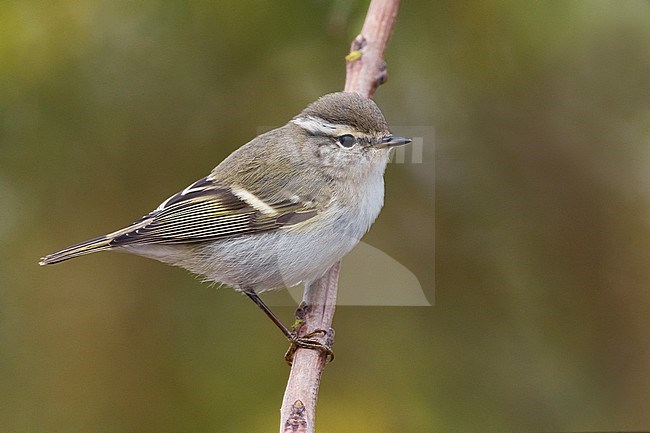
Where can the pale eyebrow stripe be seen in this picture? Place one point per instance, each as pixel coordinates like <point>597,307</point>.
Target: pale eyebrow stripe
<point>319,126</point>
<point>253,200</point>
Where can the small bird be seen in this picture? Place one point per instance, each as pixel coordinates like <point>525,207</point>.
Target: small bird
<point>280,210</point>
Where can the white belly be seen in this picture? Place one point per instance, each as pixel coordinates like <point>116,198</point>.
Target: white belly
<point>279,259</point>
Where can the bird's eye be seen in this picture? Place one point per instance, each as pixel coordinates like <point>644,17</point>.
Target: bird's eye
<point>346,140</point>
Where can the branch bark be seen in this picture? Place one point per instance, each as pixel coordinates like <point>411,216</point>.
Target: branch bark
<point>366,70</point>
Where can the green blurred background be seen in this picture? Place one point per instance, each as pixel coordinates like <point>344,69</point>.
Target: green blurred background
<point>541,219</point>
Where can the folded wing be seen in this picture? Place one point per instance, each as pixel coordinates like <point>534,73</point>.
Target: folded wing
<point>204,211</point>
<point>207,211</point>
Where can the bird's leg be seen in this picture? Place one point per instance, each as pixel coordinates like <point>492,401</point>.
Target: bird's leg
<point>258,301</point>
<point>304,342</point>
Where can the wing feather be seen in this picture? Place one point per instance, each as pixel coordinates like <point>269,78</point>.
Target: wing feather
<point>206,211</point>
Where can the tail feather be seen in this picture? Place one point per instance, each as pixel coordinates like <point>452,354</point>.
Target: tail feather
<point>90,246</point>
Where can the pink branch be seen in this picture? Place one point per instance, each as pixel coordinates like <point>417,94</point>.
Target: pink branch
<point>366,70</point>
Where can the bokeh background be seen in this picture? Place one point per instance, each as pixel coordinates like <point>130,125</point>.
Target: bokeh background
<point>536,218</point>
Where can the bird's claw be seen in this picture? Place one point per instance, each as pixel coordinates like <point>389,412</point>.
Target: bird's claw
<point>307,342</point>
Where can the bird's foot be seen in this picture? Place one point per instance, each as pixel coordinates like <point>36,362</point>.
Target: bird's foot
<point>307,341</point>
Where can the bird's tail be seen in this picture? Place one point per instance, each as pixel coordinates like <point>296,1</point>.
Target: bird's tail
<point>101,243</point>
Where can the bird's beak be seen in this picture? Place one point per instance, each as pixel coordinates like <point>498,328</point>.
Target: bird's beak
<point>393,141</point>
